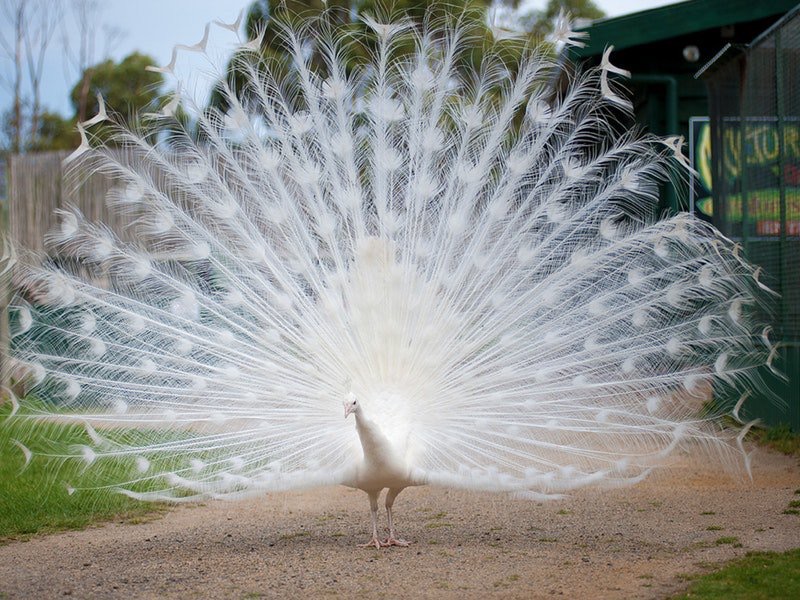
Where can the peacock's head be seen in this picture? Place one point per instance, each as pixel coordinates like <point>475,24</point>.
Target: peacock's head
<point>350,405</point>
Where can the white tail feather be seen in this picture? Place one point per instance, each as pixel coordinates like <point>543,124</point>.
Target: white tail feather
<point>476,255</point>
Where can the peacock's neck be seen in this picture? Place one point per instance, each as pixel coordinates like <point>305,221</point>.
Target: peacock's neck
<point>373,441</point>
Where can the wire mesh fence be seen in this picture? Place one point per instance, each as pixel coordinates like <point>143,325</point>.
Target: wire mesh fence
<point>755,111</point>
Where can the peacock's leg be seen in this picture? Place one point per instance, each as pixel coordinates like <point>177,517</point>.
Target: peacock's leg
<point>392,540</point>
<point>373,507</point>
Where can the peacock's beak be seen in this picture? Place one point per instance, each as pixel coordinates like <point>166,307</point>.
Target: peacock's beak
<point>348,408</point>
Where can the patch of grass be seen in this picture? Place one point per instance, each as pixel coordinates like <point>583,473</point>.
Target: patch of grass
<point>35,499</point>
<point>757,576</point>
<point>713,528</point>
<point>794,504</point>
<point>437,525</point>
<point>506,583</point>
<point>564,511</point>
<point>779,438</point>
<point>791,511</point>
<point>293,536</point>
<point>701,545</point>
<point>708,512</point>
<point>727,539</point>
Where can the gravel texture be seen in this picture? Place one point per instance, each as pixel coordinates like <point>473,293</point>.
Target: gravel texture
<point>639,542</point>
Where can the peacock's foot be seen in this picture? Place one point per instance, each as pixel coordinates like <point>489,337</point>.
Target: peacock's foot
<point>393,541</point>
<point>373,543</point>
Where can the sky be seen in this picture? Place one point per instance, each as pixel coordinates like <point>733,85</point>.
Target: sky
<point>154,26</point>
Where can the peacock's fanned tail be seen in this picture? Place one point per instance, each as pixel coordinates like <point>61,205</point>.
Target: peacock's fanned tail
<point>474,252</point>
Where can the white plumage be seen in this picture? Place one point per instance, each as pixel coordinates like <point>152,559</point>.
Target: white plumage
<point>469,259</point>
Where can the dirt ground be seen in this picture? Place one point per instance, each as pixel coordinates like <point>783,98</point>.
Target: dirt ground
<point>638,542</point>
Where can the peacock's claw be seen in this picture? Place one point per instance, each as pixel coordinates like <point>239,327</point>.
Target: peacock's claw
<point>373,543</point>
<point>393,541</point>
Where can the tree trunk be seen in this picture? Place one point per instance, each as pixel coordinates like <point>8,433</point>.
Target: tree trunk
<point>16,138</point>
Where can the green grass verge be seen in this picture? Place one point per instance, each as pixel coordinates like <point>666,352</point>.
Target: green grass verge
<point>35,499</point>
<point>778,438</point>
<point>757,576</point>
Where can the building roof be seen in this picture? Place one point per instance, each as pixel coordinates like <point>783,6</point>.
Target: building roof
<point>675,20</point>
<point>731,51</point>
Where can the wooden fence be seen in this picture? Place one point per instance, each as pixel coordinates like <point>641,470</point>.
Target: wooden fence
<point>38,185</point>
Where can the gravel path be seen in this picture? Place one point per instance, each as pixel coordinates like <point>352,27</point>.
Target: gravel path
<point>636,542</point>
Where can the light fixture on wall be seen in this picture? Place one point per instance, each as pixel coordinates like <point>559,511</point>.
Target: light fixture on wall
<point>691,53</point>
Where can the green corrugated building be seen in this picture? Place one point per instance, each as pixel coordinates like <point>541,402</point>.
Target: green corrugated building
<point>737,62</point>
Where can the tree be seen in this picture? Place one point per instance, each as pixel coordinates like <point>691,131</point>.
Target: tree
<point>81,52</point>
<point>54,133</point>
<point>16,15</point>
<point>127,87</point>
<point>41,26</point>
<point>33,23</point>
<point>27,125</point>
<point>263,17</point>
<point>540,23</point>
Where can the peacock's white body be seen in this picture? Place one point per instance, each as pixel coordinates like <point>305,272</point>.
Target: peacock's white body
<point>470,259</point>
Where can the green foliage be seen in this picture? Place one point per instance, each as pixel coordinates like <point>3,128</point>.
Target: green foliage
<point>127,87</point>
<point>583,9</point>
<point>55,133</point>
<point>35,499</point>
<point>540,22</point>
<point>758,576</point>
<point>728,539</point>
<point>780,438</point>
<point>268,15</point>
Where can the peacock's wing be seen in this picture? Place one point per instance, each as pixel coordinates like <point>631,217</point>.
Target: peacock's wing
<point>474,252</point>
